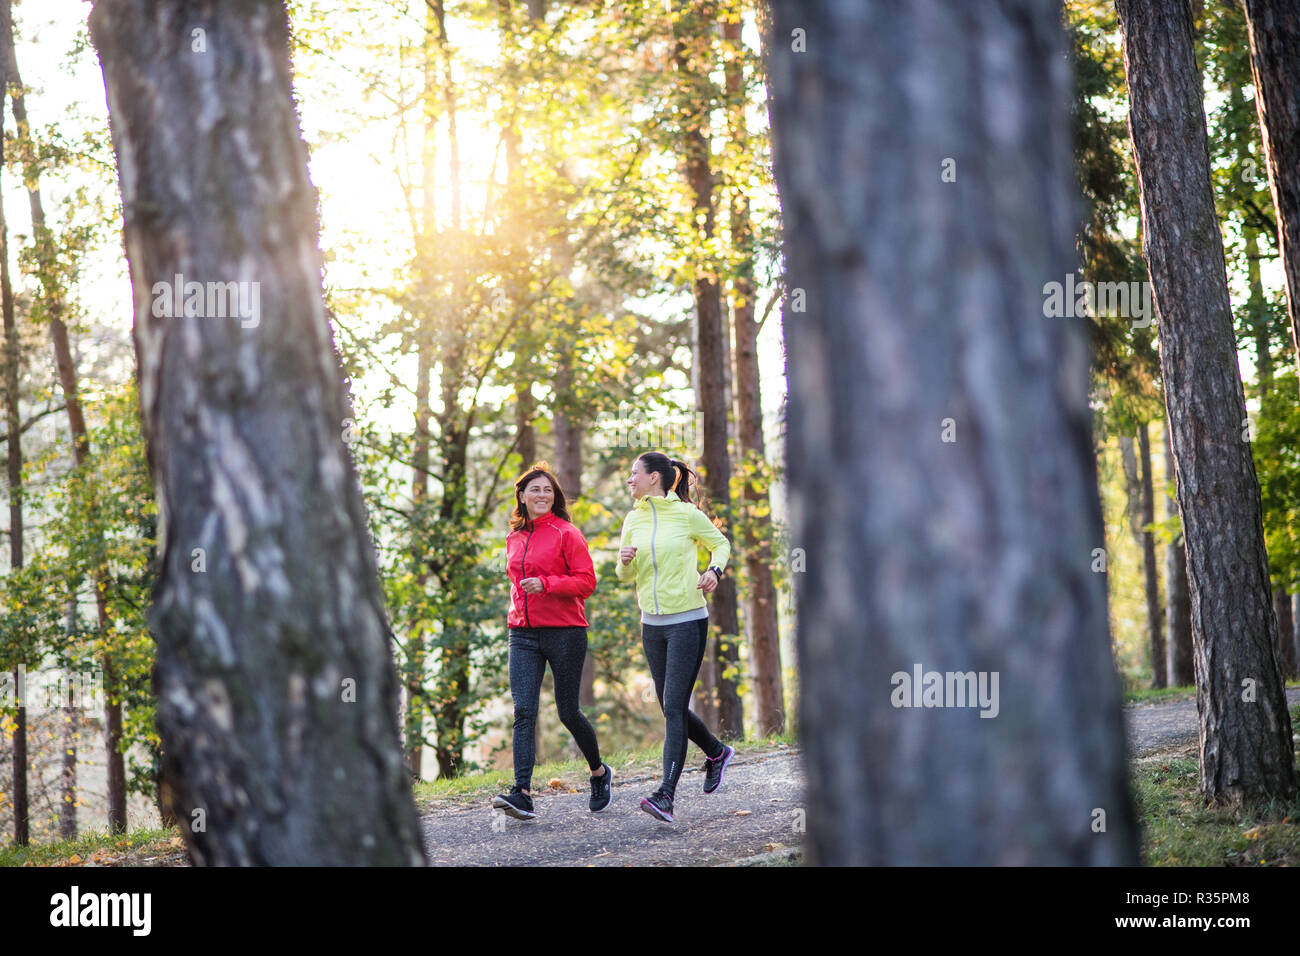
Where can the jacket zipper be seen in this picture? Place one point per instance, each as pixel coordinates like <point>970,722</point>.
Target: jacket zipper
<point>523,574</point>
<point>654,530</point>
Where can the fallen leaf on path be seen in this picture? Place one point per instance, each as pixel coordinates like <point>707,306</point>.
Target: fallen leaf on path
<point>74,859</point>
<point>556,784</point>
<point>742,813</point>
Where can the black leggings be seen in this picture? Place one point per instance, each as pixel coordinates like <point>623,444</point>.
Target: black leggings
<point>674,653</point>
<point>530,649</point>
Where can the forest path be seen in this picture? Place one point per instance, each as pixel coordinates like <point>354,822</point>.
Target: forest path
<point>757,812</point>
<point>756,816</point>
<point>1155,727</point>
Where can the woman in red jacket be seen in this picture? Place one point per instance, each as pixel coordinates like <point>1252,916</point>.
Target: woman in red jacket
<point>551,577</point>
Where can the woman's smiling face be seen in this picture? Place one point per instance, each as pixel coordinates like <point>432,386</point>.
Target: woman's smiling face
<point>538,496</point>
<point>641,482</point>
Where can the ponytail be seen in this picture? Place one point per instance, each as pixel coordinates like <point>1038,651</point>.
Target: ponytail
<point>682,484</point>
<point>674,475</point>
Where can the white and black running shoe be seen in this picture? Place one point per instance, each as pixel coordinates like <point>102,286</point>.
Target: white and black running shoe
<point>516,803</point>
<point>602,789</point>
<point>659,805</point>
<point>714,768</point>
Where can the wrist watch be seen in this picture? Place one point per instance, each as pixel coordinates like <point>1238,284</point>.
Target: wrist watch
<point>717,572</point>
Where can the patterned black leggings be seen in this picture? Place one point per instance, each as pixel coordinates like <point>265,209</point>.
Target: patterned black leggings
<point>530,649</point>
<point>674,653</point>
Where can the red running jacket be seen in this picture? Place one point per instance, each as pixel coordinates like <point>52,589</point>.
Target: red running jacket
<point>555,551</point>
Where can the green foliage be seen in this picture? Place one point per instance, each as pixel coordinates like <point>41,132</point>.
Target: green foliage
<point>1124,361</point>
<point>99,532</point>
<point>1277,461</point>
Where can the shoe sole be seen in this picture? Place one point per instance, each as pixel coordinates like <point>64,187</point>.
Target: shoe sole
<point>655,812</point>
<point>511,810</point>
<point>725,760</point>
<point>609,772</point>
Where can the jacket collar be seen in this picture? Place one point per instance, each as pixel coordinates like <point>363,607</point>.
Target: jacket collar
<point>549,518</point>
<point>644,501</point>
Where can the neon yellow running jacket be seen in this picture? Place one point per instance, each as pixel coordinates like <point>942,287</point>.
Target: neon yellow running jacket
<point>667,533</point>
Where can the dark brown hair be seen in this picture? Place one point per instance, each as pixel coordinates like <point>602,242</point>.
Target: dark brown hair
<point>519,516</point>
<point>674,475</point>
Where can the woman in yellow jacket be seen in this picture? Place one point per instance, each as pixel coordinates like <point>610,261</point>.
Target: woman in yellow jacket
<point>659,550</point>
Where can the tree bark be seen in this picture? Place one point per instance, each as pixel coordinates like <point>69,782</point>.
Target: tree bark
<point>52,303</point>
<point>1181,661</point>
<point>278,693</point>
<point>1155,626</point>
<point>691,30</point>
<point>1245,729</point>
<point>761,600</point>
<point>916,313</point>
<point>1274,30</point>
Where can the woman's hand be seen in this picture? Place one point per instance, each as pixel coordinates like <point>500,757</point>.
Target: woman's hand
<point>531,585</point>
<point>708,582</point>
<point>627,554</point>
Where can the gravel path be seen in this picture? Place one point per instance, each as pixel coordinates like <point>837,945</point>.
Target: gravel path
<point>1153,727</point>
<point>756,812</point>
<point>756,817</point>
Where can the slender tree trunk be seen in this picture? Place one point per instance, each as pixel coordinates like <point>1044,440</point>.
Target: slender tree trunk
<point>1295,633</point>
<point>569,435</point>
<point>1274,30</point>
<point>51,298</point>
<point>1132,486</point>
<point>1245,729</point>
<point>692,26</point>
<point>278,693</point>
<point>943,483</point>
<point>14,471</point>
<point>1181,661</point>
<point>70,732</point>
<point>452,688</point>
<point>416,644</point>
<point>761,600</point>
<point>1155,626</point>
<point>1140,508</point>
<point>1257,307</point>
<point>68,772</point>
<point>1285,631</point>
<point>415,641</point>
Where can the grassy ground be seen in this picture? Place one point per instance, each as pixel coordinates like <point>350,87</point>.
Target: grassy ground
<point>1147,695</point>
<point>136,848</point>
<point>1178,831</point>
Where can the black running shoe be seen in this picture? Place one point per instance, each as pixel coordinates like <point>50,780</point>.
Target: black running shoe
<point>602,789</point>
<point>714,767</point>
<point>516,803</point>
<point>659,805</point>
